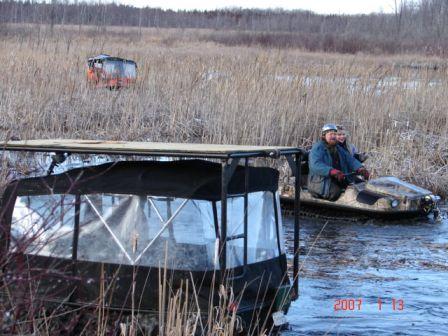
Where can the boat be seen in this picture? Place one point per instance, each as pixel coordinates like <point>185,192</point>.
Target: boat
<point>193,212</point>
<point>385,197</point>
<point>111,72</point>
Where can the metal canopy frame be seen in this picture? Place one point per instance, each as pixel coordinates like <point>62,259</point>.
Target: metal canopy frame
<point>148,148</point>
<point>230,157</point>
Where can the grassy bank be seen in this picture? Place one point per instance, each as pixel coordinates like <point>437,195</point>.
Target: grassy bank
<point>188,90</point>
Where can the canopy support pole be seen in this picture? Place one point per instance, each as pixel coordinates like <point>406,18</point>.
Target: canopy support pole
<point>295,166</point>
<point>227,170</point>
<point>246,205</point>
<point>76,230</point>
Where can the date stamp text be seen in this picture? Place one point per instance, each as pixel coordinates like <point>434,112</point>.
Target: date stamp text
<point>352,304</point>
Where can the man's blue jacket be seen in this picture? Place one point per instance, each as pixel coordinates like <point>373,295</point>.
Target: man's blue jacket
<point>320,164</point>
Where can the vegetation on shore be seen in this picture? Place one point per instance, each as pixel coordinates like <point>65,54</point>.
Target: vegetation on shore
<point>194,91</point>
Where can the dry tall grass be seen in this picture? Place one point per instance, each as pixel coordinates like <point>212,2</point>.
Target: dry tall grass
<point>200,92</point>
<point>179,313</point>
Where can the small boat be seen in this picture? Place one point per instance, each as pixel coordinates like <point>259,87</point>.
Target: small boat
<point>111,72</point>
<point>202,217</point>
<point>385,197</point>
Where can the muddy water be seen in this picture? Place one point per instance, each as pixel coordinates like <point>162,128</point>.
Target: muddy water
<point>371,278</point>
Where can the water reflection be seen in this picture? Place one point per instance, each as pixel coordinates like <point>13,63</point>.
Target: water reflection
<point>373,264</point>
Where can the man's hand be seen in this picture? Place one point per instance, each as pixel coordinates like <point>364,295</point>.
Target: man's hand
<point>363,172</point>
<point>337,174</point>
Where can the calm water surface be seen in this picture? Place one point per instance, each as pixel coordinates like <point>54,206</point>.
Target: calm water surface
<point>368,261</point>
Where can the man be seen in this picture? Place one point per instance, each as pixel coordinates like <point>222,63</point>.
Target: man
<point>330,166</point>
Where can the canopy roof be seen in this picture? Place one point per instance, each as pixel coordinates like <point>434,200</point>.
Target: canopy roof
<point>148,148</point>
<point>100,56</point>
<point>196,179</point>
<point>104,57</point>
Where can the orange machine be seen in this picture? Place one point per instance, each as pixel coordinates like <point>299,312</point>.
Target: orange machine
<point>111,72</point>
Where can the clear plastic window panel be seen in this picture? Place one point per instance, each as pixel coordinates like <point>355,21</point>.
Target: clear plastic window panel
<point>262,243</point>
<point>147,231</point>
<point>43,225</point>
<point>113,68</point>
<point>130,70</point>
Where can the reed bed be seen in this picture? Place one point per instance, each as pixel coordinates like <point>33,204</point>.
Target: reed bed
<point>189,90</point>
<point>179,314</point>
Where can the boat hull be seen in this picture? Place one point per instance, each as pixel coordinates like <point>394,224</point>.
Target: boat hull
<point>386,197</point>
<point>128,289</point>
<point>316,207</point>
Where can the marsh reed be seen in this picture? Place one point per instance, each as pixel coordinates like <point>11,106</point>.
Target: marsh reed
<point>194,91</point>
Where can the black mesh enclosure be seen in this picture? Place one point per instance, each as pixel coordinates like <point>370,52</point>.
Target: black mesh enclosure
<point>197,179</point>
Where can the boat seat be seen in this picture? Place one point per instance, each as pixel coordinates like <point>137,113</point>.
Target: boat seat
<point>304,170</point>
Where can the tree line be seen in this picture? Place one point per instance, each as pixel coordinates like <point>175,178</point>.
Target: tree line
<point>415,26</point>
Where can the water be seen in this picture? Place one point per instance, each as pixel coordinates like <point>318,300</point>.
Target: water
<point>405,261</point>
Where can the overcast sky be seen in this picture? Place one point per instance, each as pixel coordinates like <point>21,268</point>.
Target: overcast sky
<point>318,6</point>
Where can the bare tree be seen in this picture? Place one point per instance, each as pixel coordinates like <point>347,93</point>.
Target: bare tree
<point>416,24</point>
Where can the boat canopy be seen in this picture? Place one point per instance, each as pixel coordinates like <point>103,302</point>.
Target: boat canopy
<point>142,206</point>
<point>231,191</point>
<point>195,179</point>
<point>149,148</point>
<point>105,57</point>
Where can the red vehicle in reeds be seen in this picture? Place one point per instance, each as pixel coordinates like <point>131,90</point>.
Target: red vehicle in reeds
<point>111,72</point>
